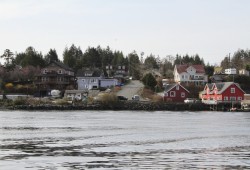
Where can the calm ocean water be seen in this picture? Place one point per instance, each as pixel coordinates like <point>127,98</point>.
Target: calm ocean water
<point>124,140</point>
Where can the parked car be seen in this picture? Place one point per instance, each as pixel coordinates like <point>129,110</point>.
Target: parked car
<point>189,100</point>
<point>136,97</point>
<point>122,98</point>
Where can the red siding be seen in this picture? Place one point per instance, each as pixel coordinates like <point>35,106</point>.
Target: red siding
<point>177,97</point>
<point>238,93</point>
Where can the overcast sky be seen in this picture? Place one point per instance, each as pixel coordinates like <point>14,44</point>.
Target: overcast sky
<point>210,28</point>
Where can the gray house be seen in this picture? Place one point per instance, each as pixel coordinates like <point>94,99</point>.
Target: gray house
<point>93,79</point>
<point>88,79</point>
<point>107,82</point>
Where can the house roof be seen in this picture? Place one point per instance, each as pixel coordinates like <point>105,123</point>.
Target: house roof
<point>217,77</point>
<point>183,68</point>
<point>171,86</point>
<point>218,69</point>
<point>221,87</point>
<point>89,73</point>
<point>59,64</point>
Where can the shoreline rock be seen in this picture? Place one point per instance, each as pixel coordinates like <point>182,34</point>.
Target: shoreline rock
<point>127,105</point>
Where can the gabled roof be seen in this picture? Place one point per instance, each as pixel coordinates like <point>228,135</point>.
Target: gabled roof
<point>171,86</point>
<point>221,87</point>
<point>61,65</point>
<point>183,68</point>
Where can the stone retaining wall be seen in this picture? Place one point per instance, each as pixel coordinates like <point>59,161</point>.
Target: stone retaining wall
<point>123,105</point>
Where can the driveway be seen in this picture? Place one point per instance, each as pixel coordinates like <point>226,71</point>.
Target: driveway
<point>129,90</point>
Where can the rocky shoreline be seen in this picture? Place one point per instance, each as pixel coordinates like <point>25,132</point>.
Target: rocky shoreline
<point>126,105</point>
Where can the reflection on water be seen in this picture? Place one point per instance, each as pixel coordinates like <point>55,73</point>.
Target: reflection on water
<point>124,140</point>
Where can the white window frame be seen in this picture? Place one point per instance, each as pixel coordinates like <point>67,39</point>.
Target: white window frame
<point>225,98</point>
<point>239,98</point>
<point>172,93</point>
<point>232,90</point>
<point>183,94</point>
<point>59,71</point>
<point>232,98</point>
<point>177,87</point>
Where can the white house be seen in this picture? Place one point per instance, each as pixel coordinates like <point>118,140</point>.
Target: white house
<point>190,74</point>
<point>244,72</point>
<point>230,71</point>
<point>75,94</point>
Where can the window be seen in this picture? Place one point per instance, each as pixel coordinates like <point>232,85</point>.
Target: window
<point>226,98</point>
<point>83,80</point>
<point>60,79</point>
<point>232,90</point>
<point>172,94</point>
<point>93,80</point>
<point>182,76</point>
<point>182,94</point>
<point>177,87</point>
<point>60,71</point>
<point>232,98</point>
<point>45,71</point>
<point>239,98</point>
<point>45,79</point>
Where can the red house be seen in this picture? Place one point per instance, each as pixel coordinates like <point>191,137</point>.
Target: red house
<point>175,93</point>
<point>224,92</point>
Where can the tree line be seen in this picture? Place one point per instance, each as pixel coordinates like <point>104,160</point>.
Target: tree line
<point>98,57</point>
<point>239,60</point>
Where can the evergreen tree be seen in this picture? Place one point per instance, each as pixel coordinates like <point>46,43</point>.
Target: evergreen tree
<point>149,81</point>
<point>73,57</point>
<point>150,62</point>
<point>51,56</point>
<point>9,60</point>
<point>92,58</point>
<point>134,65</point>
<point>30,58</point>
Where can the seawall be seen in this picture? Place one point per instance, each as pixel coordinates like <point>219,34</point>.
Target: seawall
<point>129,105</point>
